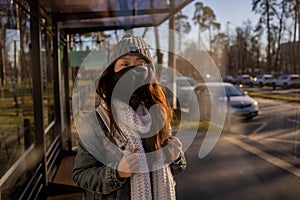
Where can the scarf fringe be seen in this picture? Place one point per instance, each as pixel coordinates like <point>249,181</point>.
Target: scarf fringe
<point>133,123</point>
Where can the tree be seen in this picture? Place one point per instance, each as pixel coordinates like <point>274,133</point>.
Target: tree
<point>23,26</point>
<point>255,52</point>
<point>4,24</point>
<point>274,18</point>
<point>181,25</point>
<point>294,8</point>
<point>244,50</point>
<point>198,13</point>
<point>266,9</point>
<point>281,17</point>
<point>219,51</point>
<point>205,18</point>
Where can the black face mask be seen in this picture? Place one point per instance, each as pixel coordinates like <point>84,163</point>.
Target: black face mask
<point>128,80</point>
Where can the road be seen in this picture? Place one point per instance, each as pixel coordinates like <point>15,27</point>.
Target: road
<point>259,161</point>
<point>277,126</point>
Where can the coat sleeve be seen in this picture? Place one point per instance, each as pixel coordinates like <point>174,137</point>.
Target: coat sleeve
<point>94,176</point>
<point>179,165</point>
<point>90,172</point>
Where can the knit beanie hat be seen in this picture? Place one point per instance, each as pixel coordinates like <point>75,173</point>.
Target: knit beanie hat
<point>131,45</point>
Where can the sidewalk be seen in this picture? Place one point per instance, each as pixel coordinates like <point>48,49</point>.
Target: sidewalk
<point>63,181</point>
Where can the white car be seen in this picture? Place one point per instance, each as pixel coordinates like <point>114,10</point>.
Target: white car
<point>241,104</point>
<point>287,81</point>
<point>263,80</point>
<point>244,79</point>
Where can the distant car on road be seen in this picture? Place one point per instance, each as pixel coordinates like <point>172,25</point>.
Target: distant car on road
<point>241,104</point>
<point>244,79</point>
<point>228,79</point>
<point>287,81</point>
<point>263,80</point>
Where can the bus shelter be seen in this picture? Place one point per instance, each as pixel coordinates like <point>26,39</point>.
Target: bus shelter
<point>35,73</point>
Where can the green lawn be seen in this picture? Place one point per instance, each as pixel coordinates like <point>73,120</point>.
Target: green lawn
<point>289,97</point>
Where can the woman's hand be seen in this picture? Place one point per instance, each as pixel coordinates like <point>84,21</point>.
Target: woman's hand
<point>128,165</point>
<point>175,147</point>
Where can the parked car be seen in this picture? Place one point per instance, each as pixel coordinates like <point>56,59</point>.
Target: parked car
<point>263,80</point>
<point>241,105</point>
<point>244,79</point>
<point>184,92</point>
<point>228,79</point>
<point>287,81</point>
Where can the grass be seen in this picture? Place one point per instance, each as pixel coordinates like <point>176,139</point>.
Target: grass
<point>200,125</point>
<point>11,122</point>
<point>189,125</point>
<point>288,97</point>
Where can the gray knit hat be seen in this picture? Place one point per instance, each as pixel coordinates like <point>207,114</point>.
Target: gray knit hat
<point>131,45</point>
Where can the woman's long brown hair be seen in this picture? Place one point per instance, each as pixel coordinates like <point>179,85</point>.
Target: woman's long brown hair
<point>149,94</point>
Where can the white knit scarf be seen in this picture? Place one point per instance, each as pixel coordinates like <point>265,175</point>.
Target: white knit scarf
<point>133,124</point>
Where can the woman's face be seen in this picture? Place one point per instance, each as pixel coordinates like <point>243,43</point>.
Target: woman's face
<point>127,61</point>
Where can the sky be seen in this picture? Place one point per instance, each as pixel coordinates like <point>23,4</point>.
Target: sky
<point>234,11</point>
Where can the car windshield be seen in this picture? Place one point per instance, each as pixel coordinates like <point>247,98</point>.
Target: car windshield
<point>233,91</point>
<point>229,90</point>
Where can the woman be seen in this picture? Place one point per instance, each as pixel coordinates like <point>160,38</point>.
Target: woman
<point>137,156</point>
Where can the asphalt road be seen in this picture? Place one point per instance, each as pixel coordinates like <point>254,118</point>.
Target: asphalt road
<point>277,126</point>
<point>260,161</point>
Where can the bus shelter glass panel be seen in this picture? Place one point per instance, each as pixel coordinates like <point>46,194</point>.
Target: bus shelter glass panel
<point>47,80</point>
<point>16,95</point>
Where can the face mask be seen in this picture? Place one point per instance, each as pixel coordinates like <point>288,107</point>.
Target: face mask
<point>128,80</point>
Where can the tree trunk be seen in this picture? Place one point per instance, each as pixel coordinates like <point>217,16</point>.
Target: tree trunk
<point>297,49</point>
<point>279,39</point>
<point>295,37</point>
<point>3,56</point>
<point>269,59</point>
<point>158,54</point>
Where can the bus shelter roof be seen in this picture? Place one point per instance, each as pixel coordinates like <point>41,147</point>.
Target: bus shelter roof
<point>99,15</point>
